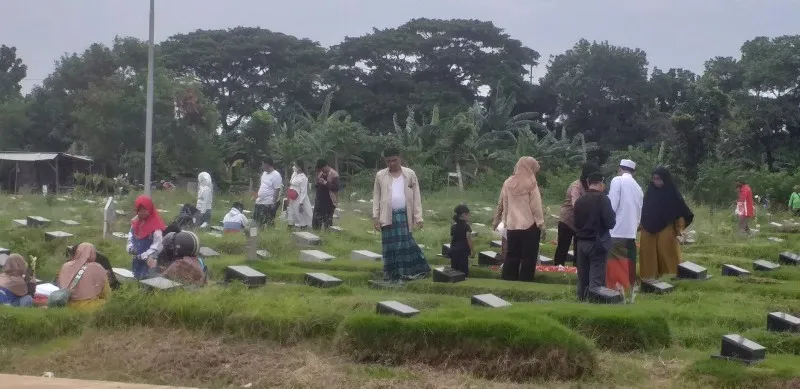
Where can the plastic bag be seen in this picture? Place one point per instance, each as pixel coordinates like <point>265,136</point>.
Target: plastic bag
<point>501,230</point>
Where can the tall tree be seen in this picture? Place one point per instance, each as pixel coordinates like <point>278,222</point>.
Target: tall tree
<point>246,69</point>
<point>12,72</point>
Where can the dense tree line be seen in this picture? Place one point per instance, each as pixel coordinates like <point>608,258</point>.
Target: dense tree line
<point>224,98</point>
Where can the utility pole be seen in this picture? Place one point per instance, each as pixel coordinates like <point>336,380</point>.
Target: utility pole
<point>148,134</point>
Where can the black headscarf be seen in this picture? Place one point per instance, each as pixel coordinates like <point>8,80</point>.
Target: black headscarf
<point>587,169</point>
<point>662,206</point>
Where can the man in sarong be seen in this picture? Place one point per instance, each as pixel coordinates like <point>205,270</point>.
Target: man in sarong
<point>626,199</point>
<point>396,209</point>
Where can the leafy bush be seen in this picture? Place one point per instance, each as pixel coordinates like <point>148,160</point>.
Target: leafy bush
<point>485,345</point>
<point>777,371</point>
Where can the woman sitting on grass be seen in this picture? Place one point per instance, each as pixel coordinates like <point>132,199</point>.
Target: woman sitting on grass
<point>16,283</point>
<point>92,289</point>
<point>186,267</point>
<point>235,220</point>
<point>145,237</point>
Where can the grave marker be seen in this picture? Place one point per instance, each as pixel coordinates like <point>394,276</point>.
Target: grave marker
<point>545,261</point>
<point>774,224</point>
<point>3,259</point>
<point>123,274</point>
<point>603,295</point>
<point>692,271</point>
<point>109,215</point>
<point>252,244</point>
<point>4,250</point>
<point>159,283</point>
<point>446,274</point>
<point>120,212</point>
<point>395,308</point>
<point>37,221</point>
<point>263,254</point>
<point>87,201</point>
<point>734,271</point>
<point>570,256</point>
<point>496,244</point>
<point>774,239</point>
<point>446,250</point>
<point>53,235</point>
<point>305,238</point>
<point>315,256</point>
<point>322,280</point>
<point>782,322</point>
<point>120,235</point>
<point>215,234</point>
<point>336,229</point>
<point>789,258</point>
<point>736,347</point>
<point>657,287</point>
<point>218,228</point>
<point>207,252</point>
<point>764,265</point>
<point>20,222</point>
<point>489,300</point>
<point>246,274</point>
<point>488,258</point>
<point>71,223</point>
<point>365,255</point>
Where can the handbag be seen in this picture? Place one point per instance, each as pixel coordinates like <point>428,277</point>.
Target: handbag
<point>60,297</point>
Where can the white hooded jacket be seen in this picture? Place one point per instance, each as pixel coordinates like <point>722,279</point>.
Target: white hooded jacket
<point>205,192</point>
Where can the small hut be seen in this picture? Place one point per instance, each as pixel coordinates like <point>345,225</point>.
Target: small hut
<point>26,172</point>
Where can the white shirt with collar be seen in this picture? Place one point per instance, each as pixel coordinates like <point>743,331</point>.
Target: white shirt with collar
<point>626,199</point>
<point>270,182</point>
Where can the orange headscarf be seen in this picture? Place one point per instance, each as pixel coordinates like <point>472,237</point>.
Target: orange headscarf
<point>524,178</point>
<point>94,277</point>
<point>12,277</point>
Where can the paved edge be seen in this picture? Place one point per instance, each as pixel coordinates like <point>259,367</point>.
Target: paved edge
<point>30,382</point>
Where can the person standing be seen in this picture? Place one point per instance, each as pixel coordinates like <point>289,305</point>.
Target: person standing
<point>326,200</point>
<point>205,198</point>
<point>745,210</point>
<point>566,227</point>
<point>523,217</point>
<point>594,218</point>
<point>461,246</point>
<point>664,216</point>
<point>794,201</point>
<point>396,209</point>
<point>626,198</point>
<point>299,210</point>
<point>268,194</point>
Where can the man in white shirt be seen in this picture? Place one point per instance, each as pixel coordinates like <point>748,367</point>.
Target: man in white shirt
<point>268,194</point>
<point>626,199</point>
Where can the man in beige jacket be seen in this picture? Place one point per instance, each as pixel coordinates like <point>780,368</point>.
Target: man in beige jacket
<point>396,209</point>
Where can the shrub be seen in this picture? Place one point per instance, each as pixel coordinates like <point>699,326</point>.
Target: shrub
<point>777,371</point>
<point>27,325</point>
<point>488,346</point>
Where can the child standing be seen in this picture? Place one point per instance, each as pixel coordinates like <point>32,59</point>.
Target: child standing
<point>594,218</point>
<point>146,236</point>
<point>461,240</point>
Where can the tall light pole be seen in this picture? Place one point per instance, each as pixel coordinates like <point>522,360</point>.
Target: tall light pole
<point>148,131</point>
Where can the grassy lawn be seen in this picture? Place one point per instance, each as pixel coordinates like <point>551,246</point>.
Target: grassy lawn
<point>291,335</point>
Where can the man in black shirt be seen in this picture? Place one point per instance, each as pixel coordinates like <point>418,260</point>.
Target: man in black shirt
<point>594,217</point>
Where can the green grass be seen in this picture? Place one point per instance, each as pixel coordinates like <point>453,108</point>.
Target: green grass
<point>544,319</point>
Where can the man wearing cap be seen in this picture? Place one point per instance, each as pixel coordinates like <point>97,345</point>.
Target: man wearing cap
<point>626,199</point>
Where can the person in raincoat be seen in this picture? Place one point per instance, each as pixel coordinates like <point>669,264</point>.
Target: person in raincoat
<point>205,197</point>
<point>299,210</point>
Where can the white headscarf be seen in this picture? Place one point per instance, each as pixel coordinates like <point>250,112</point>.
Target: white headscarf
<point>205,192</point>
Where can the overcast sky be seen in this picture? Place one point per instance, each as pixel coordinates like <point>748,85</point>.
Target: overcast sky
<point>674,33</point>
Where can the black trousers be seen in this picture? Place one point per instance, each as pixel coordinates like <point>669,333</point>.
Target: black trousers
<point>459,259</point>
<point>323,216</point>
<point>521,254</point>
<point>265,214</point>
<point>590,258</point>
<point>566,238</point>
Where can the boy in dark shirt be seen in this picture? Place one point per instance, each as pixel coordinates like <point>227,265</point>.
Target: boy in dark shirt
<point>461,240</point>
<point>594,217</point>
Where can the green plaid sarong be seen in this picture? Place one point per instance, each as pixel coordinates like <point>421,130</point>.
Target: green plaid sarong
<point>402,257</point>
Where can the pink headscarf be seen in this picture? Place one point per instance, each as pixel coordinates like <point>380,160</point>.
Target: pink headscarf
<point>524,178</point>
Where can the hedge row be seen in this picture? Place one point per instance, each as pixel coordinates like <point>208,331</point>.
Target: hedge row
<point>22,325</point>
<point>489,346</point>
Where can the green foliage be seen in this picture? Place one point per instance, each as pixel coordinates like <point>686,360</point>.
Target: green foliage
<point>25,326</point>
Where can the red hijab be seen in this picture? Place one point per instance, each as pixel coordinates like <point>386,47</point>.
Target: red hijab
<point>143,228</point>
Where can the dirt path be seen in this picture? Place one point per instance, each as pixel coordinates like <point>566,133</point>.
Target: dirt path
<point>28,382</point>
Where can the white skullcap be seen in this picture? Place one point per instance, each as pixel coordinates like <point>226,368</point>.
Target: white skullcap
<point>628,164</point>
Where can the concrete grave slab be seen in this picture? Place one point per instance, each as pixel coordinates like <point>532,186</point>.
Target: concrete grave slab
<point>692,271</point>
<point>215,234</point>
<point>764,265</point>
<point>4,250</point>
<point>315,256</point>
<point>123,274</point>
<point>782,322</point>
<point>496,244</point>
<point>656,287</point>
<point>207,252</point>
<point>603,295</point>
<point>446,250</point>
<point>246,275</point>
<point>545,261</point>
<point>120,212</point>
<point>365,255</point>
<point>489,300</point>
<point>734,271</point>
<point>774,239</point>
<point>263,254</point>
<point>737,347</point>
<point>120,235</point>
<point>322,280</point>
<point>69,222</point>
<point>306,238</point>
<point>37,221</point>
<point>395,308</point>
<point>87,201</point>
<point>336,229</point>
<point>159,283</point>
<point>446,274</point>
<point>55,235</point>
<point>488,258</point>
<point>3,259</point>
<point>20,222</point>
<point>218,228</point>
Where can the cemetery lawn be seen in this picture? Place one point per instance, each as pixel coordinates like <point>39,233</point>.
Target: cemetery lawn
<point>289,335</point>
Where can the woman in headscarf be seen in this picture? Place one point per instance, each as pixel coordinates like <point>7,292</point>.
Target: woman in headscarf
<point>205,197</point>
<point>146,236</point>
<point>92,289</point>
<point>664,216</point>
<point>185,267</point>
<point>522,215</point>
<point>566,227</point>
<point>300,212</point>
<point>16,283</point>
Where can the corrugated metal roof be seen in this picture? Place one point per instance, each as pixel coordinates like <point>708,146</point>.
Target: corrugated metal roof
<point>21,156</point>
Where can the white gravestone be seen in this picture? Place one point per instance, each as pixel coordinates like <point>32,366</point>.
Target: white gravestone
<point>109,215</point>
